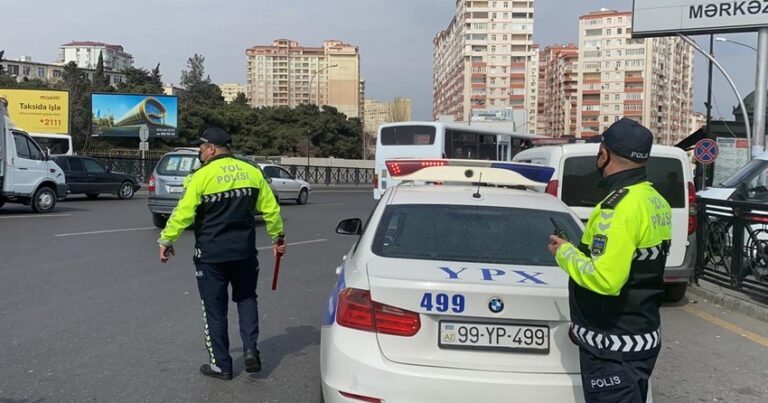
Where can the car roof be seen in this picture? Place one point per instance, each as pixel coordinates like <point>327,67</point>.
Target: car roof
<point>182,151</point>
<point>463,195</point>
<point>591,149</point>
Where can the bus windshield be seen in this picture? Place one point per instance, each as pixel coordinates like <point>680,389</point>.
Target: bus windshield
<point>408,135</point>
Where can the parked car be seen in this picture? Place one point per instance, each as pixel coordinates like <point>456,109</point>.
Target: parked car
<point>286,186</point>
<point>89,177</point>
<point>166,182</point>
<point>575,183</point>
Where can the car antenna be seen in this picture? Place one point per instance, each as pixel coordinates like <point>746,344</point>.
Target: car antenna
<point>477,194</point>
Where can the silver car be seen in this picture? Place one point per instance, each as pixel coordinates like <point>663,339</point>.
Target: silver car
<point>286,186</point>
<point>165,184</point>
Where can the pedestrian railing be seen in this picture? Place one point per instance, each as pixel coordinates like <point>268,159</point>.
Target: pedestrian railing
<point>317,175</point>
<point>140,168</point>
<point>733,245</point>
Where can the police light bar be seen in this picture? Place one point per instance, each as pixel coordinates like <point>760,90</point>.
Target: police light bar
<point>468,171</point>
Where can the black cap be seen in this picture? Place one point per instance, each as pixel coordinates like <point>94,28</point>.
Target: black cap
<point>629,139</point>
<point>215,136</point>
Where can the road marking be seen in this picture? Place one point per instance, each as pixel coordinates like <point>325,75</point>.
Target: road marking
<point>295,243</point>
<point>756,338</point>
<point>323,204</point>
<point>10,217</point>
<point>109,231</point>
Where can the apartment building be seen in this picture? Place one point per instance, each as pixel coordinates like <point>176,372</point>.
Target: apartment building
<point>485,59</point>
<point>698,120</point>
<point>649,80</point>
<point>86,55</point>
<point>378,113</point>
<point>230,90</point>
<point>288,74</point>
<point>558,91</point>
<point>24,69</point>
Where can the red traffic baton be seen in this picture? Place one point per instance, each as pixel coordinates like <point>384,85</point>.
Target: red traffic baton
<point>278,258</point>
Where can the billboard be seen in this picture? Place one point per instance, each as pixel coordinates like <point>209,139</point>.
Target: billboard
<point>670,17</point>
<point>38,111</point>
<point>125,115</point>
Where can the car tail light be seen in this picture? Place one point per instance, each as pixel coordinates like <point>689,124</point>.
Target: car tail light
<point>402,168</point>
<point>692,224</point>
<point>552,187</point>
<point>357,311</point>
<point>360,397</point>
<point>151,183</point>
<point>375,181</point>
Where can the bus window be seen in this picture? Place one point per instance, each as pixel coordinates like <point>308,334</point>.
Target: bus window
<point>408,135</point>
<point>470,145</point>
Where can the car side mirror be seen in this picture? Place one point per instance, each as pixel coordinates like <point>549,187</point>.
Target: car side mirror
<point>268,179</point>
<point>350,226</point>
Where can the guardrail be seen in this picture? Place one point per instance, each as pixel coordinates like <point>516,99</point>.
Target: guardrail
<point>733,245</point>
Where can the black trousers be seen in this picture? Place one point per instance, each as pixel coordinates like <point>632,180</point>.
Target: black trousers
<point>213,280</point>
<point>615,379</point>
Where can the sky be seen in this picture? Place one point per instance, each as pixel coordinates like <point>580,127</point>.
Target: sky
<point>394,36</point>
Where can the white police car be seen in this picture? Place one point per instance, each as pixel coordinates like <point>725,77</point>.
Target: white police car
<point>450,294</point>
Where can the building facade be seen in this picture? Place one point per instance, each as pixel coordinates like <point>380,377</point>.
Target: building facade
<point>25,69</point>
<point>648,80</point>
<point>558,90</point>
<point>230,90</point>
<point>486,59</point>
<point>698,120</point>
<point>86,55</point>
<point>288,74</point>
<point>378,113</point>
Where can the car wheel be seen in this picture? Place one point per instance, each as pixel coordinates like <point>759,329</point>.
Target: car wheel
<point>44,200</point>
<point>303,197</point>
<point>92,196</point>
<point>159,220</point>
<point>675,292</point>
<point>126,191</point>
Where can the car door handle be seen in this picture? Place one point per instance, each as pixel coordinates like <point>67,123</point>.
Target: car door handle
<point>23,169</point>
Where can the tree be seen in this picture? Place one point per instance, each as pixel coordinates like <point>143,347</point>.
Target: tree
<point>156,79</point>
<point>2,69</point>
<point>197,88</point>
<point>400,110</point>
<point>141,81</point>
<point>240,99</point>
<point>100,80</point>
<point>79,86</point>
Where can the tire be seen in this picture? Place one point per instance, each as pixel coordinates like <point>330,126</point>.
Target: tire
<point>126,191</point>
<point>159,220</point>
<point>44,200</point>
<point>303,197</point>
<point>92,196</point>
<point>675,292</point>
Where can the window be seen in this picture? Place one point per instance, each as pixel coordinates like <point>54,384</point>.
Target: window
<point>618,97</point>
<point>408,135</point>
<point>93,167</point>
<point>75,165</point>
<point>580,181</point>
<point>41,71</point>
<point>469,145</point>
<point>272,171</point>
<point>177,165</point>
<point>22,147</point>
<point>495,235</point>
<point>285,174</point>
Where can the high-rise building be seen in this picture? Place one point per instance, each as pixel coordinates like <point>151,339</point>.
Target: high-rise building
<point>230,90</point>
<point>86,55</point>
<point>648,80</point>
<point>378,113</point>
<point>698,120</point>
<point>485,59</point>
<point>287,74</point>
<point>558,88</point>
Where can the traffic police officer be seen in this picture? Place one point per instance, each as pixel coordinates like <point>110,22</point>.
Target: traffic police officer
<point>220,199</point>
<point>617,272</point>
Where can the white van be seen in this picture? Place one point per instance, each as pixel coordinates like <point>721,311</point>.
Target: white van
<point>750,183</point>
<point>575,183</point>
<point>27,174</point>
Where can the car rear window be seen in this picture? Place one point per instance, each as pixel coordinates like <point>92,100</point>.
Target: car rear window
<point>177,165</point>
<point>497,235</point>
<point>408,135</point>
<point>580,178</point>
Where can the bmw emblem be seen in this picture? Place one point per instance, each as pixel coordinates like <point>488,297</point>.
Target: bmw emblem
<point>496,305</point>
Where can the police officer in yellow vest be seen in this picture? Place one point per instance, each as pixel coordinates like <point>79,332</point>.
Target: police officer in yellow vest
<point>220,199</point>
<point>617,272</point>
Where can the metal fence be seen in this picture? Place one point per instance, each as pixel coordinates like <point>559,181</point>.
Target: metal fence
<point>733,245</point>
<point>316,175</point>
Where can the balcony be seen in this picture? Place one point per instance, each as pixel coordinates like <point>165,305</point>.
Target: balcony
<point>594,91</point>
<point>638,80</point>
<point>586,114</point>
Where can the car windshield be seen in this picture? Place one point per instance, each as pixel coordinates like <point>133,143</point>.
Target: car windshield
<point>497,235</point>
<point>746,173</point>
<point>580,178</point>
<point>177,165</point>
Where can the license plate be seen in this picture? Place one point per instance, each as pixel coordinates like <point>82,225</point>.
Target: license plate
<point>175,189</point>
<point>494,336</point>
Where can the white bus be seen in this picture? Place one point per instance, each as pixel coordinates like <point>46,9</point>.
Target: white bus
<point>54,144</point>
<point>442,140</point>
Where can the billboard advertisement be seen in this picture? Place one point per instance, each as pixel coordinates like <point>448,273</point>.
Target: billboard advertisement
<point>38,111</point>
<point>125,115</point>
<point>670,17</point>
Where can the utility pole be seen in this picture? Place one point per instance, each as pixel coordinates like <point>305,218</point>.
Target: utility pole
<point>761,86</point>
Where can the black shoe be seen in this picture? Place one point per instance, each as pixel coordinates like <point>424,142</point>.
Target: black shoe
<point>252,361</point>
<point>206,370</point>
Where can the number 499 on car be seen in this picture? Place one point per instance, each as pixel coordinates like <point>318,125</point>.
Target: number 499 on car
<point>443,302</point>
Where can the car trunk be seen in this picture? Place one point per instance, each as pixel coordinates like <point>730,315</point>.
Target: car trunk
<point>535,296</point>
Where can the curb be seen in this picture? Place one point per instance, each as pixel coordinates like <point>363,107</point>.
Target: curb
<point>722,297</point>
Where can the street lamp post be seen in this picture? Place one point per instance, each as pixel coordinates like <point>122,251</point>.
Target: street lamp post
<point>312,80</point>
<point>721,39</point>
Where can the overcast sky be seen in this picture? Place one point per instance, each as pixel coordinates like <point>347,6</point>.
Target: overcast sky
<point>395,36</point>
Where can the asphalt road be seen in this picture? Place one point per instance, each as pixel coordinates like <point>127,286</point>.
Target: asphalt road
<point>87,313</point>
